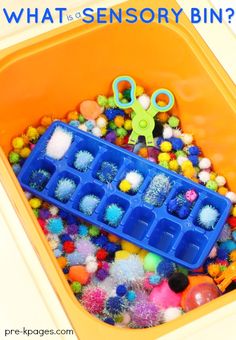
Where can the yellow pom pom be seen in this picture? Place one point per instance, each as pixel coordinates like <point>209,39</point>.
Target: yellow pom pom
<point>186,165</point>
<point>189,172</point>
<point>35,203</point>
<point>131,248</point>
<point>18,143</point>
<point>121,255</point>
<point>119,121</point>
<point>234,211</point>
<point>25,152</point>
<point>103,131</point>
<point>166,146</point>
<point>173,165</point>
<point>163,157</point>
<point>73,115</point>
<point>222,191</point>
<point>213,269</point>
<point>32,134</point>
<point>142,253</point>
<point>232,255</point>
<point>128,125</point>
<point>125,185</point>
<point>139,91</point>
<point>46,121</point>
<point>213,176</point>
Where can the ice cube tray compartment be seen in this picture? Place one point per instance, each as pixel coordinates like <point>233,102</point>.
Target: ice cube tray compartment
<point>148,226</point>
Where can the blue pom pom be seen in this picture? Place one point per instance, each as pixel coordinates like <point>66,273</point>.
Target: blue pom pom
<point>228,245</point>
<point>115,305</point>
<point>154,279</point>
<point>64,238</point>
<point>75,258</point>
<point>55,225</point>
<point>112,113</point>
<point>107,172</point>
<point>131,295</point>
<point>177,143</point>
<point>90,124</point>
<point>173,205</point>
<point>157,190</point>
<point>110,321</point>
<point>74,123</point>
<point>208,217</point>
<point>121,290</point>
<point>83,230</point>
<point>65,189</point>
<point>57,253</point>
<point>165,268</point>
<point>111,247</point>
<point>184,211</point>
<point>194,150</point>
<point>16,168</point>
<point>83,160</point>
<point>113,214</point>
<point>100,241</point>
<point>88,204</point>
<point>39,179</point>
<point>193,159</point>
<point>70,219</point>
<point>159,141</point>
<point>66,270</point>
<point>63,214</point>
<point>222,254</point>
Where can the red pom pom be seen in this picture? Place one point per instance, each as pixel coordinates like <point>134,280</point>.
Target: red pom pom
<point>42,222</point>
<point>100,265</point>
<point>172,155</point>
<point>232,222</point>
<point>101,254</point>
<point>68,247</point>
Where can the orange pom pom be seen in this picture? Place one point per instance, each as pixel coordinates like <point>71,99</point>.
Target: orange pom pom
<point>213,269</point>
<point>73,115</point>
<point>41,130</point>
<point>79,274</point>
<point>222,191</point>
<point>113,238</point>
<point>46,121</point>
<point>90,109</point>
<point>163,117</point>
<point>119,121</point>
<point>143,152</point>
<point>232,255</point>
<point>119,141</point>
<point>62,261</point>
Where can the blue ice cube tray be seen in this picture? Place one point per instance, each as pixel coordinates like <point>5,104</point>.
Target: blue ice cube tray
<point>153,228</point>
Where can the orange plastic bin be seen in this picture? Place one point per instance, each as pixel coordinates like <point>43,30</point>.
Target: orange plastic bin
<point>54,72</point>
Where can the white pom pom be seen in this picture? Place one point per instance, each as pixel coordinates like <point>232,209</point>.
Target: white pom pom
<point>177,133</point>
<point>135,179</point>
<point>91,267</point>
<point>220,180</point>
<point>59,143</point>
<point>204,176</point>
<point>101,122</point>
<point>181,159</point>
<point>145,101</point>
<point>231,196</point>
<point>90,258</point>
<point>83,127</point>
<point>96,131</point>
<point>171,313</point>
<point>167,132</point>
<point>53,210</point>
<point>187,138</point>
<point>204,163</point>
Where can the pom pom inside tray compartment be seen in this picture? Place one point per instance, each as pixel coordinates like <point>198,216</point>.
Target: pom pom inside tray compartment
<point>148,225</point>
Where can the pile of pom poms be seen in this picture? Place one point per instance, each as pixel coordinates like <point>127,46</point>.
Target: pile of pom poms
<point>114,280</point>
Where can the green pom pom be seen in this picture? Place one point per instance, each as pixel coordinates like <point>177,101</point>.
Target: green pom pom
<point>36,212</point>
<point>121,132</point>
<point>180,153</point>
<point>173,122</point>
<point>151,261</point>
<point>212,185</point>
<point>182,270</point>
<point>111,102</point>
<point>164,164</point>
<point>112,125</point>
<point>102,100</point>
<point>76,287</point>
<point>13,157</point>
<point>81,119</point>
<point>94,231</point>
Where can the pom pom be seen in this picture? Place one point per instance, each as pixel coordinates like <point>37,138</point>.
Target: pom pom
<point>88,204</point>
<point>131,296</point>
<point>121,290</point>
<point>109,321</point>
<point>91,267</point>
<point>187,138</point>
<point>204,163</point>
<point>157,190</point>
<point>96,131</point>
<point>59,143</point>
<point>85,247</point>
<point>83,230</point>
<point>225,234</point>
<point>93,299</point>
<point>177,143</point>
<point>228,245</point>
<point>115,305</point>
<point>231,196</point>
<point>220,180</point>
<point>145,101</point>
<point>76,287</point>
<point>79,274</point>
<point>173,121</point>
<point>145,314</point>
<point>208,217</point>
<point>83,160</point>
<point>213,269</point>
<point>55,225</point>
<point>171,313</point>
<point>135,178</point>
<point>125,185</point>
<point>113,214</point>
<point>75,258</point>
<point>165,268</point>
<point>178,282</point>
<point>204,176</point>
<point>68,247</point>
<point>127,270</point>
<point>101,254</point>
<point>53,210</point>
<point>65,189</point>
<point>167,132</point>
<point>191,195</point>
<point>111,113</point>
<point>101,274</point>
<point>129,247</point>
<point>107,172</point>
<point>194,150</point>
<point>39,179</point>
<point>151,261</point>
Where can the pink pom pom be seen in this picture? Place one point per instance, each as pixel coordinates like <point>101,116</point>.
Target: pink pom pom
<point>163,297</point>
<point>85,247</point>
<point>145,314</point>
<point>93,299</point>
